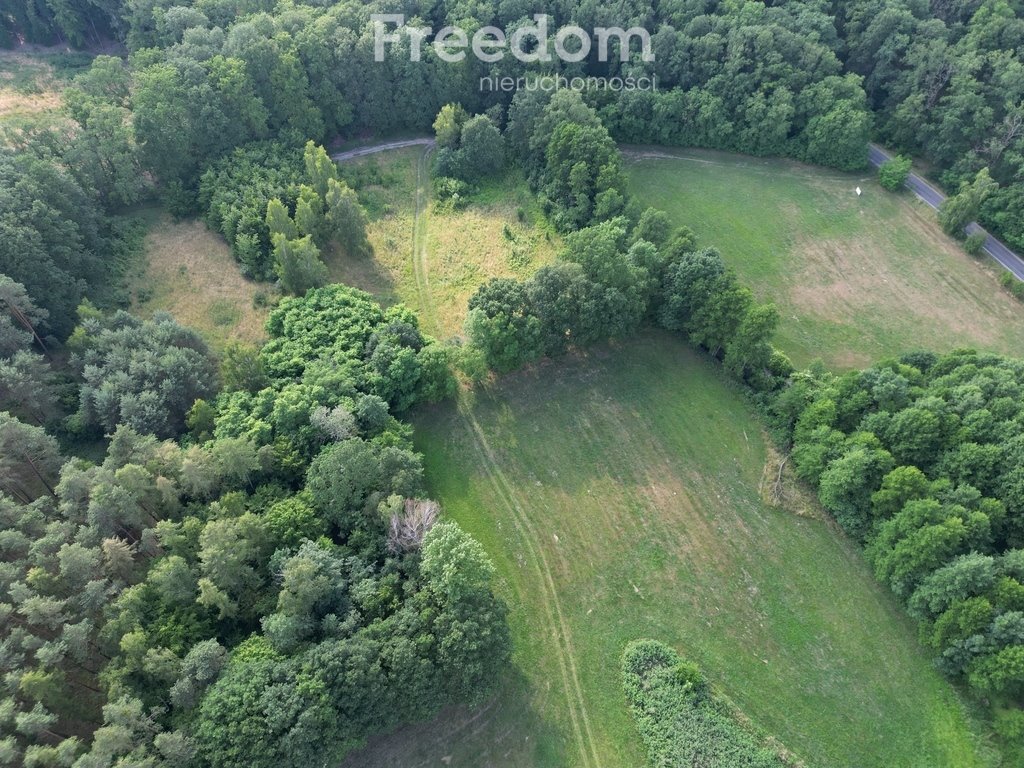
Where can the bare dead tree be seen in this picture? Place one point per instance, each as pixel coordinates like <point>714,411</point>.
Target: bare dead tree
<point>938,81</point>
<point>1008,131</point>
<point>407,529</point>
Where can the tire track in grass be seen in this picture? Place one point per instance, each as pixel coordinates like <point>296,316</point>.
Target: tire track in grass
<point>557,625</point>
<point>552,605</point>
<point>420,267</point>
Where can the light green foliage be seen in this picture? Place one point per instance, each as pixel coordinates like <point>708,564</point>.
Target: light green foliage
<point>279,222</point>
<point>893,173</point>
<point>959,210</point>
<point>975,243</point>
<point>448,125</point>
<point>345,219</point>
<point>298,264</point>
<point>679,721</point>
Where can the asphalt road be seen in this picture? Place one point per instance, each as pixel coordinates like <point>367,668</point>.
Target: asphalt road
<point>934,198</point>
<point>876,156</point>
<point>373,149</point>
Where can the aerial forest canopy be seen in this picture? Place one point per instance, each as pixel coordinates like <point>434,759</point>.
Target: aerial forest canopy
<point>268,590</point>
<point>940,80</point>
<point>226,556</point>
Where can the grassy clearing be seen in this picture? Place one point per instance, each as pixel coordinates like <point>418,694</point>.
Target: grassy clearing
<point>501,234</point>
<point>855,278</point>
<point>618,496</point>
<point>31,85</point>
<point>189,271</point>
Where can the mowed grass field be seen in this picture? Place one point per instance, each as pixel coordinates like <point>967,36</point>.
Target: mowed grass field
<point>617,493</point>
<point>855,278</point>
<point>436,263</point>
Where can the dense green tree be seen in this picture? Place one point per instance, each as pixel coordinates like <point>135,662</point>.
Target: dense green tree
<point>30,459</point>
<point>349,479</point>
<point>448,126</point>
<point>146,375</point>
<point>53,240</point>
<point>893,173</point>
<point>501,323</point>
<point>958,211</point>
<point>298,264</point>
<point>21,321</point>
<point>345,219</point>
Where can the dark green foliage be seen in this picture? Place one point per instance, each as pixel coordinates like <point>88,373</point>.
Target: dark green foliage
<point>242,369</point>
<point>343,333</point>
<point>234,195</point>
<point>975,243</point>
<point>47,22</point>
<point>444,643</point>
<point>920,459</point>
<point>704,300</point>
<point>468,148</point>
<point>212,607</point>
<point>582,177</point>
<point>54,238</point>
<point>608,282</point>
<point>959,210</point>
<point>679,719</point>
<point>1013,284</point>
<point>502,324</point>
<point>146,375</point>
<point>348,481</point>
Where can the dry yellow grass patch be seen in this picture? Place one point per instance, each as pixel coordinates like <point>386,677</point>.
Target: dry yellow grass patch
<point>459,250</point>
<point>15,104</point>
<point>189,272</point>
<point>467,248</point>
<point>28,87</point>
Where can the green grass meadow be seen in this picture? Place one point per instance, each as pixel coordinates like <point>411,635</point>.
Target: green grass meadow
<point>856,278</point>
<point>617,493</point>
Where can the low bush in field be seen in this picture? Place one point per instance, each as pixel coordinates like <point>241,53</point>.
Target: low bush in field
<point>1012,284</point>
<point>679,719</point>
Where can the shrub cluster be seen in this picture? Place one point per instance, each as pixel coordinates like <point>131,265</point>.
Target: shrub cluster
<point>679,719</point>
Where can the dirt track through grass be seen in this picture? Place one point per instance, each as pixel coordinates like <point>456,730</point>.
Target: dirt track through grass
<point>617,493</point>
<point>504,492</point>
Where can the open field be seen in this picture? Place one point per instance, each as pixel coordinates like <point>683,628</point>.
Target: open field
<point>855,279</point>
<point>501,234</point>
<point>618,496</point>
<point>31,84</point>
<point>189,271</point>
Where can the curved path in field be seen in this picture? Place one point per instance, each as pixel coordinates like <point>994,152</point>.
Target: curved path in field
<point>505,494</point>
<point>373,149</point>
<point>504,491</point>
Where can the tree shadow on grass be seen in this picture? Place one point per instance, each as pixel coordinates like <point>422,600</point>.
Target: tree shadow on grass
<point>503,732</point>
<point>360,271</point>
